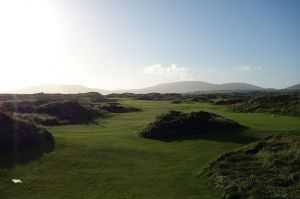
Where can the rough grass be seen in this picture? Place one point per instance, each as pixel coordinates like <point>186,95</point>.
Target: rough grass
<point>118,108</point>
<point>64,112</point>
<point>266,169</point>
<point>21,141</point>
<point>109,160</point>
<point>52,113</point>
<point>177,125</point>
<point>278,104</point>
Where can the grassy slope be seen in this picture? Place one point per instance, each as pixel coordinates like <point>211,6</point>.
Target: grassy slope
<point>111,161</point>
<point>268,168</point>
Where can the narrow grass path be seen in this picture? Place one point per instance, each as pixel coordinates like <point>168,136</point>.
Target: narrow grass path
<point>109,160</point>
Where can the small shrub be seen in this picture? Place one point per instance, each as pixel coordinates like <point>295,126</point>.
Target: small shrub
<point>178,124</point>
<point>117,108</point>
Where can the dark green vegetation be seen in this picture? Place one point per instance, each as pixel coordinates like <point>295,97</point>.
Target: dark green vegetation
<point>170,96</point>
<point>284,102</point>
<point>58,109</point>
<point>175,124</point>
<point>21,141</point>
<point>107,159</point>
<point>52,113</point>
<point>92,96</point>
<point>294,87</point>
<point>148,96</point>
<point>269,168</point>
<point>118,108</point>
<point>278,104</point>
<point>20,137</point>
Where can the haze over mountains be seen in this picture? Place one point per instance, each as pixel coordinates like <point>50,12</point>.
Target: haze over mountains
<point>57,88</point>
<point>174,87</point>
<point>295,87</point>
<point>194,86</point>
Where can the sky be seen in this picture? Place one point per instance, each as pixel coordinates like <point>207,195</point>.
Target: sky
<point>113,44</point>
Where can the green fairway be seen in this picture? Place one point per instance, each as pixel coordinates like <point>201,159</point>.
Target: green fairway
<point>109,160</point>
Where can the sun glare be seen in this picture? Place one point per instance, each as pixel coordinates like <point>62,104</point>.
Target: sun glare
<point>31,40</point>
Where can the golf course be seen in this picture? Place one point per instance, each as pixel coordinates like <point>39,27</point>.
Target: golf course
<point>108,158</point>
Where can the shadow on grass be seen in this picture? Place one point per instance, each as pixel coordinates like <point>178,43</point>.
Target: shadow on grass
<point>235,135</point>
<point>13,158</point>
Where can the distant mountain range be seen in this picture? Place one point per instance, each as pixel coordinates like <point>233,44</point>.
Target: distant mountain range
<point>194,86</point>
<point>57,88</point>
<point>174,87</point>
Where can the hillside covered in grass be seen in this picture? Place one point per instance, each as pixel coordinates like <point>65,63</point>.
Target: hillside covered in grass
<point>52,112</point>
<point>266,169</point>
<point>21,141</point>
<point>60,109</point>
<point>90,96</point>
<point>175,124</point>
<point>278,104</point>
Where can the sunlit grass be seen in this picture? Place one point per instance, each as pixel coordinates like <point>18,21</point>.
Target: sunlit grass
<point>109,160</point>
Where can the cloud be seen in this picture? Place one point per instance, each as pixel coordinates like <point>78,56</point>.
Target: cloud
<point>247,68</point>
<point>182,73</point>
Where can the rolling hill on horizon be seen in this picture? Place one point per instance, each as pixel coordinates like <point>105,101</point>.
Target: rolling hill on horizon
<point>56,88</point>
<point>294,87</point>
<point>173,87</point>
<point>195,86</point>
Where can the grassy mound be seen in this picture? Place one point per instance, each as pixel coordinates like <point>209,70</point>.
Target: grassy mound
<point>266,169</point>
<point>40,119</point>
<point>165,97</point>
<point>117,108</point>
<point>68,112</point>
<point>159,96</point>
<point>21,141</point>
<point>278,104</point>
<point>121,95</point>
<point>52,113</point>
<point>90,96</point>
<point>175,124</point>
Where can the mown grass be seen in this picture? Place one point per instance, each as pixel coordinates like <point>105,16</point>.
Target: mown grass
<point>110,160</point>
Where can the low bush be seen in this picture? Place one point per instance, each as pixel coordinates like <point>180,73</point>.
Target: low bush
<point>175,124</point>
<point>117,108</point>
<point>158,96</point>
<point>229,101</point>
<point>68,112</point>
<point>121,95</point>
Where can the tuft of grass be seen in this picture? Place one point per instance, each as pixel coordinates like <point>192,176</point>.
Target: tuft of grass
<point>269,168</point>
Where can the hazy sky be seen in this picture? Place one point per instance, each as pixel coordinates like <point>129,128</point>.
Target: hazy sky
<point>135,43</point>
